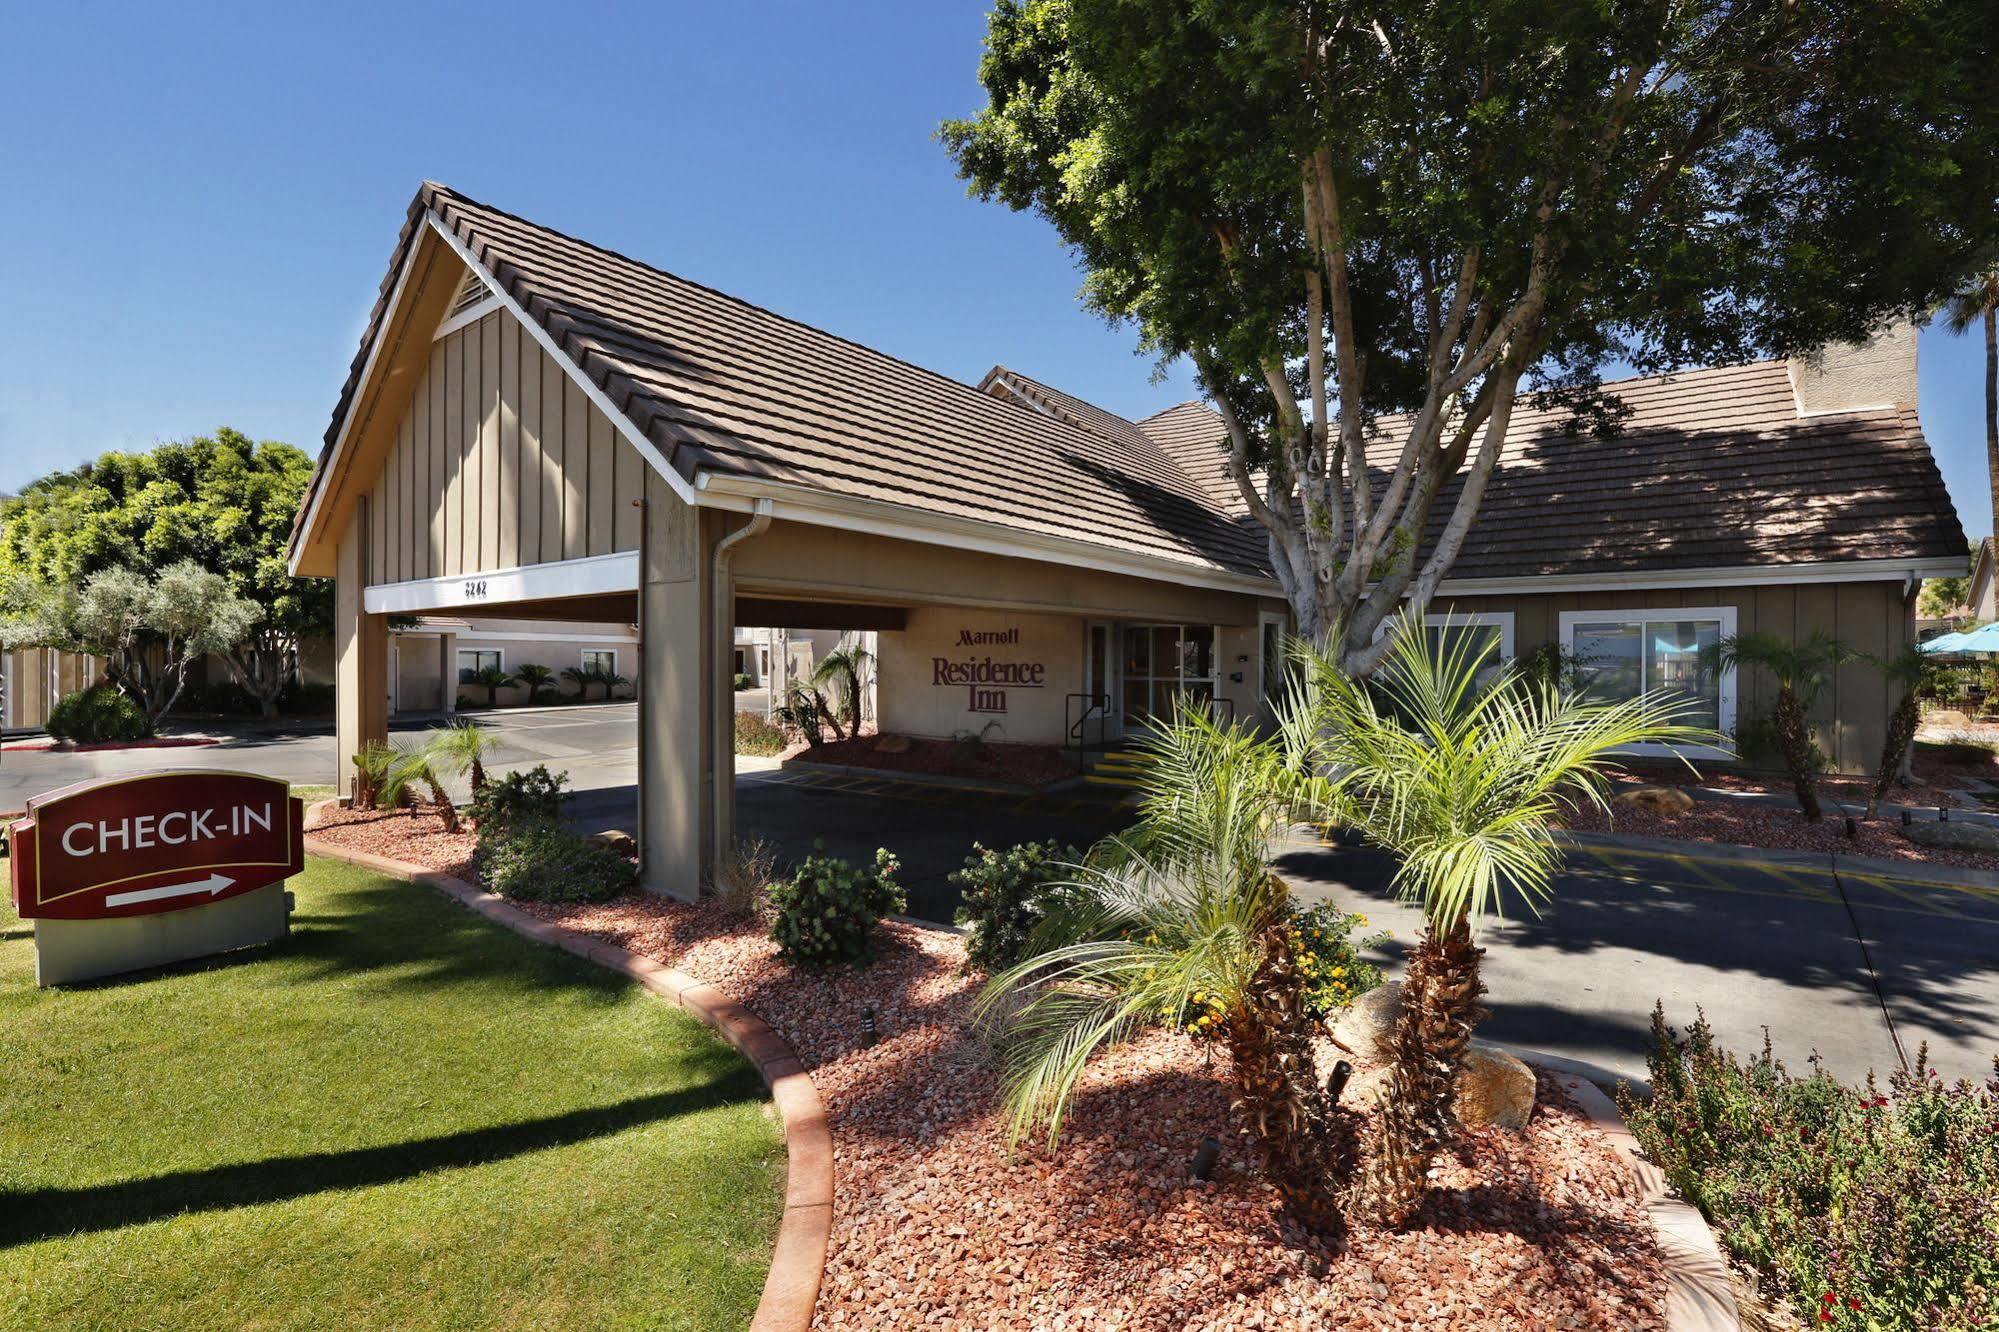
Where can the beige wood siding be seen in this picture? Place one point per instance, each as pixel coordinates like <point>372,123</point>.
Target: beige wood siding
<point>499,461</point>
<point>1851,717</point>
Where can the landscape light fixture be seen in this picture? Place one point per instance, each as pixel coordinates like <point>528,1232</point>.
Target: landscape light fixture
<point>870,1029</point>
<point>1908,819</point>
<point>1338,1082</point>
<point>1203,1164</point>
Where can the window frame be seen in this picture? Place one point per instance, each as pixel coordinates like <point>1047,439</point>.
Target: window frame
<point>583,657</point>
<point>1723,616</point>
<point>499,656</point>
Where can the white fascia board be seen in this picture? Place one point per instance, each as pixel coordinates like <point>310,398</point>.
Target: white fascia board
<point>1768,575</point>
<point>595,575</point>
<point>632,434</point>
<point>473,637</point>
<point>802,505</point>
<point>471,314</point>
<point>319,493</point>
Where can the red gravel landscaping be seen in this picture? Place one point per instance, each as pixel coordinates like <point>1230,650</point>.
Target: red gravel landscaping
<point>415,835</point>
<point>1776,829</point>
<point>1019,765</point>
<point>68,747</point>
<point>935,1226</point>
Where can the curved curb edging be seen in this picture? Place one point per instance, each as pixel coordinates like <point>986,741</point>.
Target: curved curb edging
<point>1700,1295</point>
<point>798,1262</point>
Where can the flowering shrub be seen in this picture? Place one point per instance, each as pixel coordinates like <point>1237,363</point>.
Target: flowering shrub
<point>1863,1209</point>
<point>1007,895</point>
<point>1329,958</point>
<point>826,911</point>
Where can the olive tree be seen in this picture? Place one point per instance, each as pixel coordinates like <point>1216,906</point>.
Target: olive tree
<point>1371,226</point>
<point>151,629</point>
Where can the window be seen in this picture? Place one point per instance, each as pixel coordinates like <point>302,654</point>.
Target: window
<point>473,660</point>
<point>1667,652</point>
<point>601,659</point>
<point>1162,661</point>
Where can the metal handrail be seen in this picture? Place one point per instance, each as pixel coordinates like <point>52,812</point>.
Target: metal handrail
<point>1094,707</point>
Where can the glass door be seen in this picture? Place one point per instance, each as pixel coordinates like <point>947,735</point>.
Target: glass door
<point>1101,681</point>
<point>1161,663</point>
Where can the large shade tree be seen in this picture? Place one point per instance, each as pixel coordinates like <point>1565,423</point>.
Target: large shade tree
<point>224,502</point>
<point>1371,226</point>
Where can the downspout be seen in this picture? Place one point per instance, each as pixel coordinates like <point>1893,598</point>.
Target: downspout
<point>721,674</point>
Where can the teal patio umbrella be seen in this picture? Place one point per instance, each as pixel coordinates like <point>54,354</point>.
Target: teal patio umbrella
<point>1943,643</point>
<point>1984,639</point>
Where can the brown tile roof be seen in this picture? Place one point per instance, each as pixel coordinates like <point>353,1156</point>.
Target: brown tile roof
<point>719,385</point>
<point>1713,469</point>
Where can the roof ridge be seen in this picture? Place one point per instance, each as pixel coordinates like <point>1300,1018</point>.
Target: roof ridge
<point>622,257</point>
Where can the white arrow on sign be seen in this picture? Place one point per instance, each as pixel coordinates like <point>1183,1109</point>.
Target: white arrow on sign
<point>211,885</point>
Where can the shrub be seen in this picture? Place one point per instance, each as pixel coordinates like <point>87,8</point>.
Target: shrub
<point>756,736</point>
<point>743,875</point>
<point>374,763</point>
<point>1756,744</point>
<point>826,911</point>
<point>97,715</point>
<point>1859,1208</point>
<point>518,798</point>
<point>1329,956</point>
<point>743,681</point>
<point>539,862</point>
<point>1007,896</point>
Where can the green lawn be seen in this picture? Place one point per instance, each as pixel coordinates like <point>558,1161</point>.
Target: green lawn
<point>401,1117</point>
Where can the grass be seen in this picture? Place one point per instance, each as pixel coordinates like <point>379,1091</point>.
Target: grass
<point>399,1117</point>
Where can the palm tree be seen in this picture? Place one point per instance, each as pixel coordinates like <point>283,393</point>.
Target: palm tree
<point>841,672</point>
<point>412,767</point>
<point>1978,299</point>
<point>1909,670</point>
<point>492,679</point>
<point>1801,668</point>
<point>1182,920</point>
<point>461,749</point>
<point>536,678</point>
<point>1462,781</point>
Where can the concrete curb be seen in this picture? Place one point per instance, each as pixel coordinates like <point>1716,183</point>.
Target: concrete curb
<point>942,780</point>
<point>1700,1295</point>
<point>1906,871</point>
<point>798,1263</point>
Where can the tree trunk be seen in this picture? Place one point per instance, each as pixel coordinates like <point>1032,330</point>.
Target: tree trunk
<point>478,775</point>
<point>1794,740</point>
<point>1440,1008</point>
<point>441,802</point>
<point>1992,405</point>
<point>1901,730</point>
<point>1307,1146</point>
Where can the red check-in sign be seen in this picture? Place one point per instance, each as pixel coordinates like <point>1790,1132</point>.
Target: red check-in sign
<point>136,846</point>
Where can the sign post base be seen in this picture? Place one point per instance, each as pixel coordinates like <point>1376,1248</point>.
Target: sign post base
<point>68,951</point>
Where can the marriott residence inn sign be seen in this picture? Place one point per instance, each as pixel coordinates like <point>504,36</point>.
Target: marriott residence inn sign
<point>196,850</point>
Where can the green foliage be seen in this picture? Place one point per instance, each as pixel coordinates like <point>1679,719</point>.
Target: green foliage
<point>150,627</point>
<point>1008,895</point>
<point>825,913</point>
<point>515,799</point>
<point>491,679</point>
<point>804,710</point>
<point>1756,740</point>
<point>373,763</point>
<point>843,673</point>
<point>1864,1209</point>
<point>1415,204</point>
<point>537,678</point>
<point>97,715</point>
<point>755,735</point>
<point>1329,956</point>
<point>743,682</point>
<point>538,861</point>
<point>1462,782</point>
<point>585,676</point>
<point>460,748</point>
<point>1805,665</point>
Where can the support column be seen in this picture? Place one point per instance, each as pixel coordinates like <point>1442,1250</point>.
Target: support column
<point>447,673</point>
<point>360,656</point>
<point>676,742</point>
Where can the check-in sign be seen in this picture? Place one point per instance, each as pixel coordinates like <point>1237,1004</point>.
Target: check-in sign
<point>136,846</point>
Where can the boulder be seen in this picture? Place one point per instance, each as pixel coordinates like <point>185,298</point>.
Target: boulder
<point>892,744</point>
<point>621,842</point>
<point>1494,1088</point>
<point>1957,835</point>
<point>1364,1029</point>
<point>1664,802</point>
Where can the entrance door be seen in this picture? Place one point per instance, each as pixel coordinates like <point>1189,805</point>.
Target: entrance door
<point>1101,681</point>
<point>1161,663</point>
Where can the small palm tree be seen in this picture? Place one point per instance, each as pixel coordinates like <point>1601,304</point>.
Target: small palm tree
<point>1977,301</point>
<point>537,678</point>
<point>461,749</point>
<point>411,768</point>
<point>1801,668</point>
<point>841,673</point>
<point>1181,920</point>
<point>1462,780</point>
<point>1911,671</point>
<point>492,679</point>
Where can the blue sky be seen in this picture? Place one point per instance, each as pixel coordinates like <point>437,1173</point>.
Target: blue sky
<point>199,204</point>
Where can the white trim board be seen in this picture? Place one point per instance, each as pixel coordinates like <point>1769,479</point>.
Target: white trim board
<point>1766,575</point>
<point>471,314</point>
<point>1565,624</point>
<point>594,575</point>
